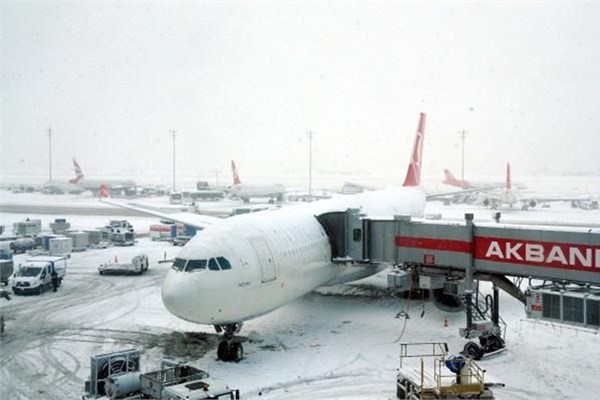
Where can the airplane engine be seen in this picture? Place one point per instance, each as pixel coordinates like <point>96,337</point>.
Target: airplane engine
<point>532,203</point>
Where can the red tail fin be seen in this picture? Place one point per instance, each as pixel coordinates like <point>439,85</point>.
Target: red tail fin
<point>413,174</point>
<point>78,173</point>
<point>508,183</point>
<point>236,178</point>
<point>450,178</point>
<point>103,191</point>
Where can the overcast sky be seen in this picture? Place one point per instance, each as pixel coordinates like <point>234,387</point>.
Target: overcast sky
<point>245,81</point>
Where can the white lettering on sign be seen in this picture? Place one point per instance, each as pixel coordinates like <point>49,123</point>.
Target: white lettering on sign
<point>494,250</point>
<point>564,254</point>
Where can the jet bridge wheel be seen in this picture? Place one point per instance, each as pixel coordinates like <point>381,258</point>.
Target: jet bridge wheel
<point>472,350</point>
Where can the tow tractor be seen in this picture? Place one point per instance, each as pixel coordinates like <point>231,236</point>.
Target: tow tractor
<point>138,265</point>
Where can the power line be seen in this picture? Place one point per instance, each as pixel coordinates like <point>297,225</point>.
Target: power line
<point>50,153</point>
<point>173,135</point>
<point>462,135</point>
<point>310,135</point>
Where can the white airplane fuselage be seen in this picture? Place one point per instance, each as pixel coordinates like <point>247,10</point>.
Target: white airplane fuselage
<point>275,256</point>
<point>247,191</point>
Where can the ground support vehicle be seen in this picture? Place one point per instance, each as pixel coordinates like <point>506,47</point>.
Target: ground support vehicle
<point>122,238</point>
<point>138,265</point>
<point>35,274</point>
<point>183,382</point>
<point>452,377</point>
<point>6,265</point>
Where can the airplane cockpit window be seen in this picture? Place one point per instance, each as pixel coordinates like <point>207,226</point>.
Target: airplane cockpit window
<point>179,264</point>
<point>212,265</point>
<point>195,265</point>
<point>223,263</point>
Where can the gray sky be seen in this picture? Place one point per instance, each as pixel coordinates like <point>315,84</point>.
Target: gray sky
<point>245,81</point>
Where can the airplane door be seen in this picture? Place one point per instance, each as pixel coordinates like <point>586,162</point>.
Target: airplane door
<point>265,258</point>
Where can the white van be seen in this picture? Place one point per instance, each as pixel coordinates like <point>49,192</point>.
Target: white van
<point>35,274</point>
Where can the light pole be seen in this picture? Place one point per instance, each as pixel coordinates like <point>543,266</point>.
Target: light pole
<point>50,153</point>
<point>462,135</point>
<point>173,135</point>
<point>310,135</point>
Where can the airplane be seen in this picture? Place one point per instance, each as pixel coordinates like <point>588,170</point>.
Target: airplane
<point>93,184</point>
<point>246,191</point>
<point>60,188</point>
<point>509,195</point>
<point>246,266</point>
<point>450,179</point>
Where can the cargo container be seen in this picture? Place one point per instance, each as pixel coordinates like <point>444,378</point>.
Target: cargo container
<point>160,231</point>
<point>80,240</point>
<point>60,246</point>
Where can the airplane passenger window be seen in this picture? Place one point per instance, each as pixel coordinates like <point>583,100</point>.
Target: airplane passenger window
<point>223,263</point>
<point>179,264</point>
<point>195,265</point>
<point>212,265</point>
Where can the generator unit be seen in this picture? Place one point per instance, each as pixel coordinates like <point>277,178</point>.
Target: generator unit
<point>568,304</point>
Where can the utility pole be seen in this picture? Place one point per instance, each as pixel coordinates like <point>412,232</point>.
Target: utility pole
<point>173,135</point>
<point>310,135</point>
<point>50,152</point>
<point>462,135</point>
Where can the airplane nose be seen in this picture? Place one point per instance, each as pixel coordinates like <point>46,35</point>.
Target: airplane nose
<point>175,294</point>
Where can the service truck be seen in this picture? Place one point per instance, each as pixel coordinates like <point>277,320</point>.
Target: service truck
<point>35,274</point>
<point>6,265</point>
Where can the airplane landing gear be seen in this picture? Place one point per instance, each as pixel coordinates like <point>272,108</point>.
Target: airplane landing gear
<point>229,349</point>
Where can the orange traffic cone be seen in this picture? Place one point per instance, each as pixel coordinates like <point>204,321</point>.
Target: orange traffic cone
<point>445,322</point>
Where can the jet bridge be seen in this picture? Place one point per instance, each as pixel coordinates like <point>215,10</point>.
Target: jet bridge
<point>449,258</point>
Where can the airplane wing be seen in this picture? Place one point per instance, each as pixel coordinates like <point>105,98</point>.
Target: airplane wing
<point>433,196</point>
<point>196,220</point>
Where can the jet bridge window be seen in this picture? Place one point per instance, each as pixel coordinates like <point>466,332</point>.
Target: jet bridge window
<point>179,264</point>
<point>223,263</point>
<point>195,265</point>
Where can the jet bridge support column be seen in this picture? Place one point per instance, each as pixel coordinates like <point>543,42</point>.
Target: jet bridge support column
<point>469,273</point>
<point>496,307</point>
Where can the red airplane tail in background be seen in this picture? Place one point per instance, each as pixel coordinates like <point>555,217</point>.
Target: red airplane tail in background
<point>104,192</point>
<point>453,181</point>
<point>413,174</point>
<point>78,173</point>
<point>236,177</point>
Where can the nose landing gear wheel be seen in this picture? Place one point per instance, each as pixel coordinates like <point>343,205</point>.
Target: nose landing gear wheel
<point>223,350</point>
<point>230,351</point>
<point>236,352</point>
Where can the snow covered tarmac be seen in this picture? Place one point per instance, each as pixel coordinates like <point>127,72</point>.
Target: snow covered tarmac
<point>325,345</point>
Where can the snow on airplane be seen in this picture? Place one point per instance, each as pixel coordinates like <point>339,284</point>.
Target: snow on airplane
<point>246,191</point>
<point>93,184</point>
<point>246,266</point>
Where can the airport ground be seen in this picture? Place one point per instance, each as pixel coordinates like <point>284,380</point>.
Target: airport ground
<point>337,342</point>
